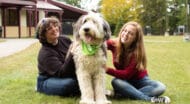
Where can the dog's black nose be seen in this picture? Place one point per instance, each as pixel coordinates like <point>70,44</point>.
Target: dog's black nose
<point>86,29</point>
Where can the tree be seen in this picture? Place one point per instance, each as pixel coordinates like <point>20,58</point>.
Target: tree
<point>176,15</point>
<point>117,12</point>
<point>150,13</point>
<point>72,2</point>
<point>154,15</point>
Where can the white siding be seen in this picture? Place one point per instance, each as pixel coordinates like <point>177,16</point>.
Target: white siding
<point>23,19</point>
<point>41,14</point>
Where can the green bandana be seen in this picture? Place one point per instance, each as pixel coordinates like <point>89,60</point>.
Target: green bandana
<point>89,49</point>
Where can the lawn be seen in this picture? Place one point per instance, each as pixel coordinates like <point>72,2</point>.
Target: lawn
<point>1,40</point>
<point>168,62</point>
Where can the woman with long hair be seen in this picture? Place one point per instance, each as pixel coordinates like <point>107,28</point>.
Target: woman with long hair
<point>130,62</point>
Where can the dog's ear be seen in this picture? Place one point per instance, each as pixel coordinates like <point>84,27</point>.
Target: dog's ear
<point>76,27</point>
<point>107,30</point>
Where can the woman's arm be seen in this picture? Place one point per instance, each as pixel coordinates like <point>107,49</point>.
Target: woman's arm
<point>56,67</point>
<point>125,73</point>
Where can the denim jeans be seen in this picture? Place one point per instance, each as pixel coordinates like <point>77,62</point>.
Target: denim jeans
<point>142,89</point>
<point>57,86</point>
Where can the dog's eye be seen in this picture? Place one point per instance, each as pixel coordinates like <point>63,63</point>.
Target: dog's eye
<point>85,21</point>
<point>105,28</point>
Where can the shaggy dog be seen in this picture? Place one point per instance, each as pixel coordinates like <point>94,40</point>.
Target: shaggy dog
<point>89,54</point>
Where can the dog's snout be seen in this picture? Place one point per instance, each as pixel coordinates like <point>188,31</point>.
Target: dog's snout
<point>86,29</point>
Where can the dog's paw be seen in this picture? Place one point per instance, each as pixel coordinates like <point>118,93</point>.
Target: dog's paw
<point>87,102</point>
<point>104,102</point>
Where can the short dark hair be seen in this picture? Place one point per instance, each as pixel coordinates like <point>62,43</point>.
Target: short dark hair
<point>42,26</point>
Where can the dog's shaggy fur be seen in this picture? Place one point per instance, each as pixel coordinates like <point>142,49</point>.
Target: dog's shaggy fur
<point>93,30</point>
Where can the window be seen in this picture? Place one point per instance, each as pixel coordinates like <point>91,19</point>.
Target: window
<point>11,17</point>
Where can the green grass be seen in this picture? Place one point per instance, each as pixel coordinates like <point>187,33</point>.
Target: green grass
<point>168,62</point>
<point>2,40</point>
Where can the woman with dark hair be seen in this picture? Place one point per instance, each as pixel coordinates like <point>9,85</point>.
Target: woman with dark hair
<point>56,75</point>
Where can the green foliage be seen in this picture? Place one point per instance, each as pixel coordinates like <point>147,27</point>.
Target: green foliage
<point>147,12</point>
<point>154,15</point>
<point>72,2</point>
<point>168,62</point>
<point>117,12</point>
<point>176,15</point>
<point>118,27</point>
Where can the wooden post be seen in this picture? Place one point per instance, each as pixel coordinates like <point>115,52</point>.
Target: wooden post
<point>29,22</point>
<point>4,21</point>
<point>19,20</point>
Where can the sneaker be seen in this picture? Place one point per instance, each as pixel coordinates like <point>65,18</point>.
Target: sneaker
<point>35,88</point>
<point>163,99</point>
<point>109,93</point>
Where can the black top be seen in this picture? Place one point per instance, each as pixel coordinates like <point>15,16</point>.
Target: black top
<point>51,59</point>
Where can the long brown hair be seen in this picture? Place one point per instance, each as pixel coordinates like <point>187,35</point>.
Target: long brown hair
<point>136,48</point>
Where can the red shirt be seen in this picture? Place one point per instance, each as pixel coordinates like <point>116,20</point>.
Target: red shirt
<point>128,72</point>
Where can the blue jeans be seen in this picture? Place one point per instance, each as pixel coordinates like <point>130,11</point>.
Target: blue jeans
<point>142,89</point>
<point>57,86</point>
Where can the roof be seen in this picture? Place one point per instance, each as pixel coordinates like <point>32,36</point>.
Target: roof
<point>16,2</point>
<point>72,12</point>
<point>46,5</point>
<point>68,7</point>
<point>69,12</point>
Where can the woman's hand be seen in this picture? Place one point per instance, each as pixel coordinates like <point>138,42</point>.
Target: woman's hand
<point>105,67</point>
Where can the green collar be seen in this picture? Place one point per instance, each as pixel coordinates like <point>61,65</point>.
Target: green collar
<point>89,49</point>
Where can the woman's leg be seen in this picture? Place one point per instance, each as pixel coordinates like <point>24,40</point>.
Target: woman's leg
<point>57,86</point>
<point>126,89</point>
<point>154,89</point>
<point>150,87</point>
<point>144,89</point>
